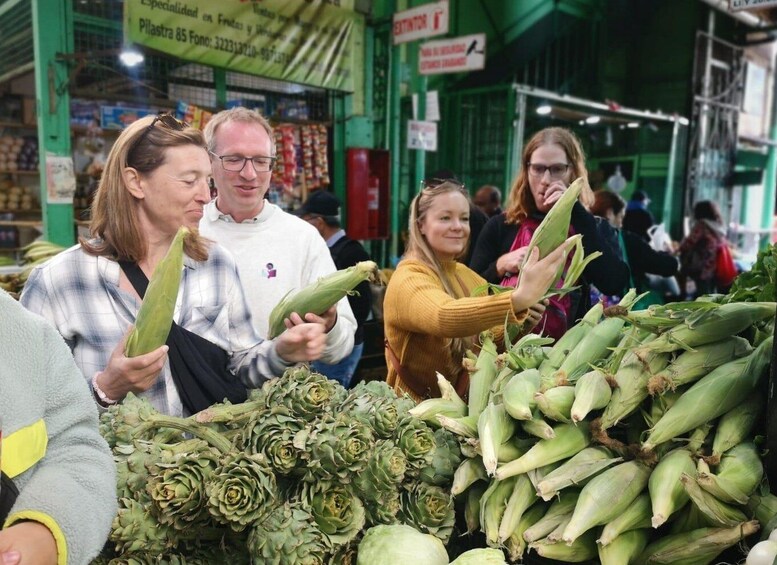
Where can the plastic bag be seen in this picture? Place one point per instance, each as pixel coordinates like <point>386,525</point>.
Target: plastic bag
<point>659,239</point>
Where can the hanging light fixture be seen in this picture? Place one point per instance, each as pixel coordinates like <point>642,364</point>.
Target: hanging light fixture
<point>130,56</point>
<point>544,109</point>
<point>592,120</point>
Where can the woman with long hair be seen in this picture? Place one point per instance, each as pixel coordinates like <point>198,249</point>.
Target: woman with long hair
<point>551,160</point>
<point>430,317</point>
<point>699,250</point>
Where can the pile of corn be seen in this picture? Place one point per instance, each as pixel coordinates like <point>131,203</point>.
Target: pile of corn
<point>630,440</point>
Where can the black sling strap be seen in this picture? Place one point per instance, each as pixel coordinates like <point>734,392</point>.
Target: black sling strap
<point>198,366</point>
<point>8,495</point>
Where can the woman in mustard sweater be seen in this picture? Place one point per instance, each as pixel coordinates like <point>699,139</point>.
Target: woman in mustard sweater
<point>430,318</point>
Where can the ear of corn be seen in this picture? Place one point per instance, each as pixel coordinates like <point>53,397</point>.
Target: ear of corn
<point>513,448</point>
<point>763,507</point>
<point>576,470</point>
<point>667,494</point>
<point>568,440</point>
<point>582,549</point>
<point>518,394</point>
<point>466,426</point>
<point>739,473</point>
<point>558,532</point>
<point>592,392</point>
<point>515,544</point>
<point>697,547</point>
<point>492,508</point>
<point>538,475</point>
<point>737,424</point>
<point>578,263</point>
<point>690,366</point>
<point>560,509</point>
<point>556,403</point>
<point>495,426</point>
<point>482,378</point>
<point>712,396</point>
<point>155,317</point>
<point>522,497</point>
<point>606,496</point>
<point>429,410</point>
<point>635,517</point>
<point>569,340</point>
<point>625,548</point>
<point>472,506</point>
<point>321,295</point>
<point>467,473</point>
<point>719,512</point>
<point>538,427</point>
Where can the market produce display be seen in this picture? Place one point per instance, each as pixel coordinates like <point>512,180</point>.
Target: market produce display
<point>296,474</point>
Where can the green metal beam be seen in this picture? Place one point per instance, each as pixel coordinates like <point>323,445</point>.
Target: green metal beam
<point>8,5</point>
<point>53,106</point>
<point>393,127</point>
<point>95,24</point>
<point>220,84</point>
<point>340,111</point>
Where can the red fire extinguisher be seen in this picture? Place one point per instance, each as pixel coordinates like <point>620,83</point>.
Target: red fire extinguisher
<point>373,205</point>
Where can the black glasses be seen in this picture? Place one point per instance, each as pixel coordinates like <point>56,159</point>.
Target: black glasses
<point>236,163</point>
<point>167,120</point>
<point>433,183</point>
<point>556,171</point>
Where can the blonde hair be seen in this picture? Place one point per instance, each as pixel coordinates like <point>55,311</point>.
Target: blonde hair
<point>115,224</point>
<point>419,249</point>
<point>237,114</point>
<point>521,201</point>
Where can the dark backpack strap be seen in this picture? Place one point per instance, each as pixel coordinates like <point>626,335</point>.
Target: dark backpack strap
<point>8,495</point>
<point>338,247</point>
<point>136,276</point>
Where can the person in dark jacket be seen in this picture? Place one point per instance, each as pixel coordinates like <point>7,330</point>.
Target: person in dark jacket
<point>641,258</point>
<point>551,160</point>
<point>322,211</point>
<point>638,218</point>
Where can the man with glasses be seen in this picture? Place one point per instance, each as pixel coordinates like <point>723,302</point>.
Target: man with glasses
<point>258,233</point>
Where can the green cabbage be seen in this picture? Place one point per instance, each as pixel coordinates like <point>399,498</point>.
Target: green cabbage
<point>389,545</point>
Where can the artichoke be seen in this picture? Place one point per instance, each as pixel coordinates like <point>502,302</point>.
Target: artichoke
<point>135,528</point>
<point>288,536</point>
<point>381,389</point>
<point>336,509</point>
<point>307,395</point>
<point>241,490</point>
<point>383,508</point>
<point>416,440</point>
<point>344,555</point>
<point>429,509</point>
<point>118,423</point>
<point>337,449</point>
<point>272,435</point>
<point>379,413</point>
<point>445,461</point>
<point>386,466</point>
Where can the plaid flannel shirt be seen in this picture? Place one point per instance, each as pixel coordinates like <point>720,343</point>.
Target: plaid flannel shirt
<point>80,295</point>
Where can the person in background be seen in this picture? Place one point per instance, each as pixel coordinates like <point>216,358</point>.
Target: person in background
<point>58,494</point>
<point>638,218</point>
<point>430,317</point>
<point>258,233</point>
<point>155,181</point>
<point>322,211</point>
<point>699,249</point>
<point>489,199</point>
<point>640,257</point>
<point>551,160</point>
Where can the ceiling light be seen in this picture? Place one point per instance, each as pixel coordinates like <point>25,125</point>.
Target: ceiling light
<point>683,121</point>
<point>131,57</point>
<point>633,124</point>
<point>544,109</point>
<point>592,120</point>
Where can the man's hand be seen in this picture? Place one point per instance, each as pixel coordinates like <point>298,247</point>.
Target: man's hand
<point>302,341</point>
<point>511,262</point>
<point>27,542</point>
<point>130,374</point>
<point>534,315</point>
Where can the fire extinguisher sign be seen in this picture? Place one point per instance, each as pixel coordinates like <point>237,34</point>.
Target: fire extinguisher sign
<point>422,135</point>
<point>428,20</point>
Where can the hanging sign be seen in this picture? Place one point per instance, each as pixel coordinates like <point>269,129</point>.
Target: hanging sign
<point>311,42</point>
<point>734,5</point>
<point>422,135</point>
<point>60,179</point>
<point>429,20</point>
<point>466,53</point>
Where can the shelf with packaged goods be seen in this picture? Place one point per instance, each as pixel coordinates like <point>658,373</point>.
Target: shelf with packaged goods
<point>17,125</point>
<point>19,173</point>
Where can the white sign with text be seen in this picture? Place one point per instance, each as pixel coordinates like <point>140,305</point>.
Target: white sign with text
<point>735,5</point>
<point>422,135</point>
<point>459,54</point>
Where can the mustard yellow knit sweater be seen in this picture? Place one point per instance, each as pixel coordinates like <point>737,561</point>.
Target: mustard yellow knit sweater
<point>420,318</point>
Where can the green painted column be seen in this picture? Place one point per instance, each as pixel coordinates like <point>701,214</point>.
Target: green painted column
<point>52,26</point>
<point>220,85</point>
<point>394,145</point>
<point>418,88</point>
<point>770,178</point>
<point>340,111</point>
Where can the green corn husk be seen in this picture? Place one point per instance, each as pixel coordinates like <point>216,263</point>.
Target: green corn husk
<point>495,426</point>
<point>712,396</point>
<point>667,493</point>
<point>636,517</point>
<point>472,506</point>
<point>539,474</point>
<point>592,391</point>
<point>697,547</point>
<point>516,544</point>
<point>559,512</point>
<point>763,507</point>
<point>697,438</point>
<point>513,448</point>
<point>719,512</point>
<point>482,378</point>
<point>631,378</point>
<point>582,549</point>
<point>503,376</point>
<point>556,403</point>
<point>538,427</point>
<point>466,427</point>
<point>558,532</point>
<point>737,424</point>
<point>690,366</point>
<point>688,519</point>
<point>518,394</point>
<point>711,325</point>
<point>522,497</point>
<point>579,262</point>
<point>567,342</point>
<point>320,296</point>
<point>606,496</point>
<point>492,508</point>
<point>739,473</point>
<point>625,548</point>
<point>568,440</point>
<point>467,473</point>
<point>659,404</point>
<point>527,353</point>
<point>449,404</point>
<point>576,470</point>
<point>155,317</point>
